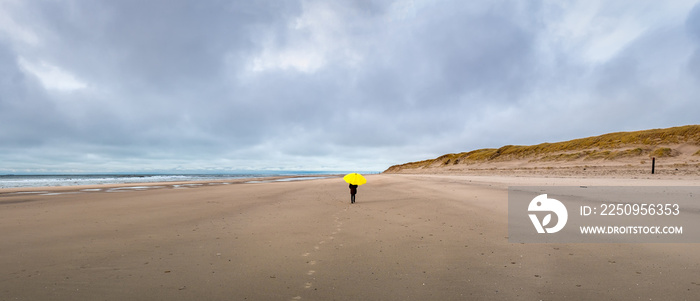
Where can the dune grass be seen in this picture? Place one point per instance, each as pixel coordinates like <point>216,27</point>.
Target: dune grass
<point>608,146</point>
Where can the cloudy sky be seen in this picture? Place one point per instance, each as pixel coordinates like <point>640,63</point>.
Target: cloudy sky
<point>132,85</point>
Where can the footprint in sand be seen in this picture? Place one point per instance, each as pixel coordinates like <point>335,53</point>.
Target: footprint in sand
<point>310,272</point>
<point>312,262</point>
<point>307,285</point>
<point>306,254</point>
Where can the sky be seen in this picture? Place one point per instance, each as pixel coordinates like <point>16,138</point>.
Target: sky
<point>174,86</point>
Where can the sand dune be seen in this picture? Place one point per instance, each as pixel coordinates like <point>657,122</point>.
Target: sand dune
<point>626,154</point>
<point>409,237</point>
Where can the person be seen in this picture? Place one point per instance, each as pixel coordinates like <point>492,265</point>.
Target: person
<point>353,191</point>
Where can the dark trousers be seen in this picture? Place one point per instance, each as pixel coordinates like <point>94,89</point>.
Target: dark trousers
<point>352,199</point>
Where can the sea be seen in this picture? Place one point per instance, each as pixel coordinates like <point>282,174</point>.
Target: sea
<point>20,181</point>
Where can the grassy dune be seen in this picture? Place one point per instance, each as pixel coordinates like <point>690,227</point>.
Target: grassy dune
<point>658,143</point>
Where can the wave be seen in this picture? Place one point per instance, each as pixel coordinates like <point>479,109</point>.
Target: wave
<point>19,181</point>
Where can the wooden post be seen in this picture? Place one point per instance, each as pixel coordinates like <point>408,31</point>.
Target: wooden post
<point>653,164</point>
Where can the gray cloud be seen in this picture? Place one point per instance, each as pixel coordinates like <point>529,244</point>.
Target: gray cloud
<point>133,85</point>
<point>693,30</point>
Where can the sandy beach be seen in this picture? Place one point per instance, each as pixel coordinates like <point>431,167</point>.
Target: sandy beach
<point>408,237</point>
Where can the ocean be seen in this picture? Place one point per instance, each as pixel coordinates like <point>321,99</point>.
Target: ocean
<point>19,181</point>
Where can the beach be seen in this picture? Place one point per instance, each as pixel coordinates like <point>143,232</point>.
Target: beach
<point>408,237</point>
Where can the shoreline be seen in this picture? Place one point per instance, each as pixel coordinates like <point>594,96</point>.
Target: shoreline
<point>154,185</point>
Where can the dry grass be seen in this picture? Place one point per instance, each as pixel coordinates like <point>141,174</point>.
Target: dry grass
<point>663,152</point>
<point>607,147</point>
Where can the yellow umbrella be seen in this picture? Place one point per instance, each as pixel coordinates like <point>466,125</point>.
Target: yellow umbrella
<point>355,179</point>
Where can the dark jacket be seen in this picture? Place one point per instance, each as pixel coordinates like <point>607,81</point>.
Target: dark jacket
<point>353,189</point>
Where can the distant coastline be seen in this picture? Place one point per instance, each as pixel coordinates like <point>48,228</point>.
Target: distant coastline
<point>59,180</point>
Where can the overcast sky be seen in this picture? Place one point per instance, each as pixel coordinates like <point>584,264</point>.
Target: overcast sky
<point>97,86</point>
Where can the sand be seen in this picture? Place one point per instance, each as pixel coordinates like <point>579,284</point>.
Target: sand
<point>408,237</point>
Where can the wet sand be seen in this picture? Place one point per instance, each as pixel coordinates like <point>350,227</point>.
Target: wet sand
<point>408,237</point>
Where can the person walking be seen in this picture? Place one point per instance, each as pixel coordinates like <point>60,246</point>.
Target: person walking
<point>353,192</point>
<point>354,179</point>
